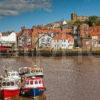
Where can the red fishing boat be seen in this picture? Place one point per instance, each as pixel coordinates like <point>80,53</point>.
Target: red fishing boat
<point>9,87</point>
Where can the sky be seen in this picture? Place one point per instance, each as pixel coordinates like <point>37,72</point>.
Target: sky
<point>17,13</point>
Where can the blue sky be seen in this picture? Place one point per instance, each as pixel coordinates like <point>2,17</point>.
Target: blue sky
<point>17,13</point>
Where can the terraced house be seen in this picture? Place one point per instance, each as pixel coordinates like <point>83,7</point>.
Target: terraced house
<point>8,42</point>
<point>24,39</point>
<point>62,41</point>
<point>95,33</point>
<point>45,40</point>
<point>90,36</point>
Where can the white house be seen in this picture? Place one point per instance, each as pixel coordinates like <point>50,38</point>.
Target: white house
<point>95,41</point>
<point>45,40</point>
<point>8,40</point>
<point>62,41</point>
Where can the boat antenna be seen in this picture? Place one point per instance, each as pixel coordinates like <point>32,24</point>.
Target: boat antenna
<point>6,72</point>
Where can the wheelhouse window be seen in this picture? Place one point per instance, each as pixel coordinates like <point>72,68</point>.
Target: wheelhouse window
<point>31,82</point>
<point>36,82</point>
<point>0,84</point>
<point>4,84</point>
<point>27,82</point>
<point>40,82</point>
<point>12,83</point>
<point>8,83</point>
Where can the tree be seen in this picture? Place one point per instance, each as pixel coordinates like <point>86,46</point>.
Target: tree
<point>92,20</point>
<point>97,22</point>
<point>77,23</point>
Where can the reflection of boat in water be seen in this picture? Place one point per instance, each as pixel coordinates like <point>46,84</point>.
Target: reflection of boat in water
<point>33,87</point>
<point>31,71</point>
<point>9,88</point>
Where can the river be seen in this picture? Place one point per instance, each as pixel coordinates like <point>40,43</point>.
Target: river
<point>66,78</point>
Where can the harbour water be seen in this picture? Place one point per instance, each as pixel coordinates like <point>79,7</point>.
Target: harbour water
<point>66,78</point>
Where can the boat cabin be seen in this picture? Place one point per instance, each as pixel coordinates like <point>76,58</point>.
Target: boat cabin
<point>35,82</point>
<point>31,71</point>
<point>8,83</point>
<point>13,74</point>
<point>9,88</point>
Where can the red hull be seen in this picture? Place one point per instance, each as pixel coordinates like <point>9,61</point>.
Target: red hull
<point>9,93</point>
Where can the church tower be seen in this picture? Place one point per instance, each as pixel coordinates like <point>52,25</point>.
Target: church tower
<point>73,16</point>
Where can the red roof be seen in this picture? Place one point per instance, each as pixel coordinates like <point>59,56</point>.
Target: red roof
<point>94,31</point>
<point>28,31</point>
<point>63,36</point>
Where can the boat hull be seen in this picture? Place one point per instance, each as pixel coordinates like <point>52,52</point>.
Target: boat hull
<point>32,92</point>
<point>9,93</point>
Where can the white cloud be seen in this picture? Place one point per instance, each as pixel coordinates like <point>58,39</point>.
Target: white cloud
<point>15,7</point>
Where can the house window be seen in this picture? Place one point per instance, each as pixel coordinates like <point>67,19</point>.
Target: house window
<point>12,83</point>
<point>43,40</point>
<point>48,39</point>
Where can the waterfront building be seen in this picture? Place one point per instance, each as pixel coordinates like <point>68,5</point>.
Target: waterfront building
<point>86,43</point>
<point>96,41</point>
<point>62,41</point>
<point>8,41</point>
<point>84,30</point>
<point>24,39</point>
<point>45,40</point>
<point>95,34</point>
<point>90,36</point>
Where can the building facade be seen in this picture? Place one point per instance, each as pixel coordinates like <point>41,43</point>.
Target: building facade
<point>8,42</point>
<point>45,40</point>
<point>62,41</point>
<point>90,36</point>
<point>24,39</point>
